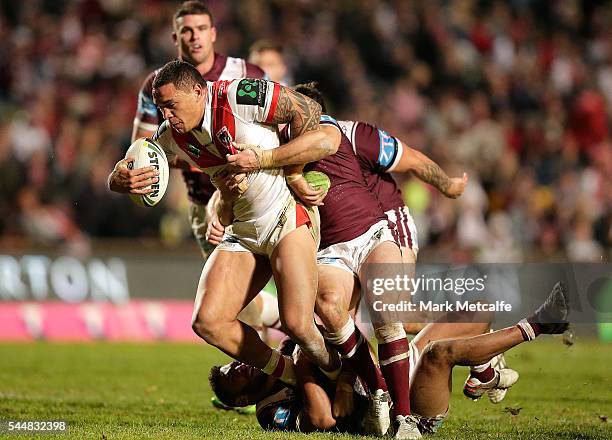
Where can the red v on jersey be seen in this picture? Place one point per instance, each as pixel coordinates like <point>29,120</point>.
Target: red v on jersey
<point>223,121</point>
<point>223,131</point>
<point>196,151</point>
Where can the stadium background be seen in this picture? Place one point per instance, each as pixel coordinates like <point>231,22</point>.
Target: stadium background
<point>518,93</point>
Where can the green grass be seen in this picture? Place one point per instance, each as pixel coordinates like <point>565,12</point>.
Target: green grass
<point>129,391</point>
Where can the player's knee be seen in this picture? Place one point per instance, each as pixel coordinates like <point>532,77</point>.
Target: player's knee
<point>298,328</point>
<point>208,326</point>
<point>329,307</point>
<point>438,353</point>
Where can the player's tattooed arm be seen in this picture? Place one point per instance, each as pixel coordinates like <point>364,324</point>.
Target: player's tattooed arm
<point>297,110</point>
<point>308,143</point>
<point>430,172</point>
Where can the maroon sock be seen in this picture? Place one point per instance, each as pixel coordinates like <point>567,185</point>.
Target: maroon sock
<point>484,376</point>
<point>397,373</point>
<point>355,353</point>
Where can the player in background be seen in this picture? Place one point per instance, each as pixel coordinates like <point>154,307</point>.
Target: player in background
<point>269,57</point>
<point>269,232</point>
<point>381,154</point>
<point>435,351</point>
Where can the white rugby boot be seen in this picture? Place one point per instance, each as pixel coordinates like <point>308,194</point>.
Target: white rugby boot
<point>377,421</point>
<point>504,378</point>
<point>407,428</point>
<point>496,395</point>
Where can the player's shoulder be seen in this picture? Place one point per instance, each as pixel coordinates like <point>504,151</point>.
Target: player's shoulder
<point>249,91</point>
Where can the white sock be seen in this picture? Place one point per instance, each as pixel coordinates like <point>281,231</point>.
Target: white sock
<point>286,374</point>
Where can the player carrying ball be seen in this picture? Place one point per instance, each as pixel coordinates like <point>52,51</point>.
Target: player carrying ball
<point>271,233</point>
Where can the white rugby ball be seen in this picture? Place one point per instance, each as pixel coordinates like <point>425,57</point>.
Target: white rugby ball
<point>146,153</point>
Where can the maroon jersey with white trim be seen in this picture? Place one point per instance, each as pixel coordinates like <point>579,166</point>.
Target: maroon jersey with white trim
<point>238,111</point>
<point>148,117</point>
<point>349,209</point>
<point>378,154</point>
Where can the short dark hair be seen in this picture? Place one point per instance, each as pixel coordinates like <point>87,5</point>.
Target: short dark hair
<point>312,91</point>
<point>180,73</point>
<point>192,7</point>
<point>223,393</point>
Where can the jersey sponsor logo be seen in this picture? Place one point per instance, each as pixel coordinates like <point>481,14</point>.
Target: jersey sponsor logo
<point>251,92</point>
<point>281,417</point>
<point>388,149</point>
<point>193,150</point>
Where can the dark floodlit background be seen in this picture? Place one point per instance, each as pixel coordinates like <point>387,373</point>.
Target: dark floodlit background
<point>517,93</point>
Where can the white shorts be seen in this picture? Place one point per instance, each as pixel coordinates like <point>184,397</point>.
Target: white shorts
<point>404,229</point>
<point>350,255</point>
<point>260,236</point>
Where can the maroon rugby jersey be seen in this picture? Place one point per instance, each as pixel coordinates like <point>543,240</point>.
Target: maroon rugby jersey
<point>378,154</point>
<point>199,187</point>
<point>349,209</point>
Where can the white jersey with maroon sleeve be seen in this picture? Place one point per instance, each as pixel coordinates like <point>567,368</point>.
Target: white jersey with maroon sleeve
<point>238,111</point>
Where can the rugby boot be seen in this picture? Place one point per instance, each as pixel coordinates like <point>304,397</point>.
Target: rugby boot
<point>376,421</point>
<point>551,316</point>
<point>407,428</point>
<point>504,379</point>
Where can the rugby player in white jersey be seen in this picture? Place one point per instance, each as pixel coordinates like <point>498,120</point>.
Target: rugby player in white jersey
<point>194,36</point>
<point>269,232</point>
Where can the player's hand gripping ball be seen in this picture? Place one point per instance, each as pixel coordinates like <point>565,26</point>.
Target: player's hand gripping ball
<point>145,153</point>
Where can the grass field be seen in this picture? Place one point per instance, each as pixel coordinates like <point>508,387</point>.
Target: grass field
<point>129,391</point>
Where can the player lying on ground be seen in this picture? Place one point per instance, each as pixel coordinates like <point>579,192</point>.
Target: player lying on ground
<point>269,232</point>
<point>310,406</point>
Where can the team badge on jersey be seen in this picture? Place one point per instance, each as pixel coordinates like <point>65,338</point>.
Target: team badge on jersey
<point>224,137</point>
<point>251,92</point>
<point>388,149</point>
<point>281,417</point>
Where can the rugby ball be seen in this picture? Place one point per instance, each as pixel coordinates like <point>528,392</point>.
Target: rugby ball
<point>317,179</point>
<point>145,153</point>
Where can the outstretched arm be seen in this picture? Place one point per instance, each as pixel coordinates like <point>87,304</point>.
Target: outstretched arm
<point>430,172</point>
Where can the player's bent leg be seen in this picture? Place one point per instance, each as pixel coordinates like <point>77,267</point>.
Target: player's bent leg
<point>228,283</point>
<point>293,263</point>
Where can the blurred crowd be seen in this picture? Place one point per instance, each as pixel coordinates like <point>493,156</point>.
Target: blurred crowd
<point>517,93</point>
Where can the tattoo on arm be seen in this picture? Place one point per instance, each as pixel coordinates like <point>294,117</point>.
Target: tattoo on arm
<point>433,174</point>
<point>297,110</point>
